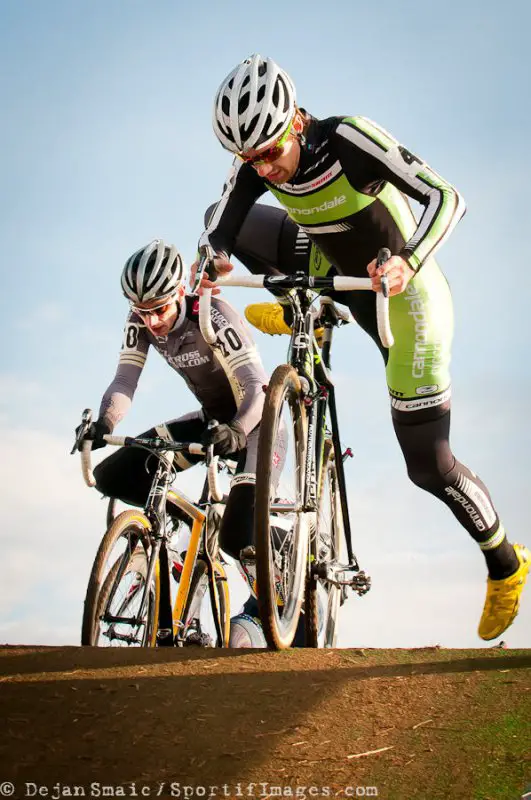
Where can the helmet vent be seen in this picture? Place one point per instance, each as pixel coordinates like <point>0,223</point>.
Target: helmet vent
<point>243,103</point>
<point>246,132</point>
<point>286,104</point>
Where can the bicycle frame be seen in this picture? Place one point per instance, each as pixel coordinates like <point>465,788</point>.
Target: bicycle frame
<point>317,380</point>
<point>312,401</point>
<point>198,544</point>
<point>313,365</point>
<point>318,386</point>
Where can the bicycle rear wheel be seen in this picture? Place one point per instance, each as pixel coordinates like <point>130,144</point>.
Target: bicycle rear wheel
<point>115,591</point>
<point>325,548</point>
<point>281,526</point>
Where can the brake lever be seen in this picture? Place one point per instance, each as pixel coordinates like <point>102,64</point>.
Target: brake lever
<point>384,254</point>
<point>86,420</point>
<point>206,264</point>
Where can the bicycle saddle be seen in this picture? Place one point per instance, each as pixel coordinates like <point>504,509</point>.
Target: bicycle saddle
<point>337,315</point>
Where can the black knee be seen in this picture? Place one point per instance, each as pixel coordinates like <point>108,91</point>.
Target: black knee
<point>430,462</point>
<point>105,479</point>
<point>123,475</point>
<point>429,477</point>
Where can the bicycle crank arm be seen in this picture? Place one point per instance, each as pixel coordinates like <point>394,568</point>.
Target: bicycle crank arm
<point>360,583</point>
<point>122,637</point>
<point>124,620</point>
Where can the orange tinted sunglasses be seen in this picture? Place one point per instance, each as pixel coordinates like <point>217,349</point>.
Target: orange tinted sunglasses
<point>269,155</point>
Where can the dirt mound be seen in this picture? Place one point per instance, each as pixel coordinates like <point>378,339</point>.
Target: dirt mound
<point>424,723</point>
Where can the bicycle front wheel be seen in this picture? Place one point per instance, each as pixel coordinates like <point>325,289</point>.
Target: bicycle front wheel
<point>322,607</point>
<point>119,610</point>
<point>281,525</point>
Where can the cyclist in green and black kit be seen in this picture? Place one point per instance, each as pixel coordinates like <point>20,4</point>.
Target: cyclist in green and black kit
<point>344,184</point>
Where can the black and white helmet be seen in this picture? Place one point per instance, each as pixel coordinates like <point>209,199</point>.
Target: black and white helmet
<point>155,271</point>
<point>254,105</point>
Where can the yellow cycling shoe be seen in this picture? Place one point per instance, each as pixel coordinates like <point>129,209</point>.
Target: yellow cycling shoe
<point>269,318</point>
<point>503,597</point>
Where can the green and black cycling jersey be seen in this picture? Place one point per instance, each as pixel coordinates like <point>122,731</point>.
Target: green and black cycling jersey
<point>349,195</point>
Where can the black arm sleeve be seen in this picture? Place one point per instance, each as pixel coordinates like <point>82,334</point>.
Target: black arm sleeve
<point>242,188</point>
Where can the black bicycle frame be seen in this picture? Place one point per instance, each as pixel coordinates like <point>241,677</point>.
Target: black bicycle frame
<point>319,391</point>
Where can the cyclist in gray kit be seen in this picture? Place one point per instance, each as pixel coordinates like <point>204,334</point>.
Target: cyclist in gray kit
<point>344,184</point>
<point>227,381</point>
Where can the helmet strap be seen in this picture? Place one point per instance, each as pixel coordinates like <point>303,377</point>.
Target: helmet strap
<point>299,127</point>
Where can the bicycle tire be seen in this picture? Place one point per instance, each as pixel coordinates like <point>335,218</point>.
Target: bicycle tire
<point>280,622</point>
<point>199,586</point>
<point>135,526</point>
<point>328,498</point>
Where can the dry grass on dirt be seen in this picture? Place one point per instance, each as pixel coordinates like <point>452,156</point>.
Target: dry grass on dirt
<point>424,723</point>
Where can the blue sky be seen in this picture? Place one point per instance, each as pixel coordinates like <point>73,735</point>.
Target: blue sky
<point>107,142</point>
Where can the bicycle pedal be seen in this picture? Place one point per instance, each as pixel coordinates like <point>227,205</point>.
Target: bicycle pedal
<point>361,583</point>
<point>196,639</point>
<point>165,638</point>
<point>248,554</point>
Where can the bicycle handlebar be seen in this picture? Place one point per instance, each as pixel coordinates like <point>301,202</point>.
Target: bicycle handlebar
<point>300,280</point>
<point>153,443</point>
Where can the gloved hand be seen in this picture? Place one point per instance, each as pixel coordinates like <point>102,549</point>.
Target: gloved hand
<point>95,432</point>
<point>225,438</point>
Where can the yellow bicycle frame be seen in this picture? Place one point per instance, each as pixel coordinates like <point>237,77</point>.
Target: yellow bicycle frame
<point>198,522</point>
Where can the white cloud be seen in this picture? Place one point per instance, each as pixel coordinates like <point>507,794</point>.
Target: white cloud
<point>51,528</point>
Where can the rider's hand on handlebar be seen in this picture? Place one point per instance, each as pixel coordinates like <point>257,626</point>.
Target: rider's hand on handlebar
<point>222,265</point>
<point>398,272</point>
<point>95,433</point>
<point>225,438</point>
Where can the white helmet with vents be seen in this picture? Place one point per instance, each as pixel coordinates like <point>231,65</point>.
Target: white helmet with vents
<point>155,271</point>
<point>254,105</point>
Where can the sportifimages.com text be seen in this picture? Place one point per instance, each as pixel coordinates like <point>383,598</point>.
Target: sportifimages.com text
<point>263,791</point>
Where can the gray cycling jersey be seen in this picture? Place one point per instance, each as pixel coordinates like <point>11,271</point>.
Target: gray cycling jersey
<point>228,381</point>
